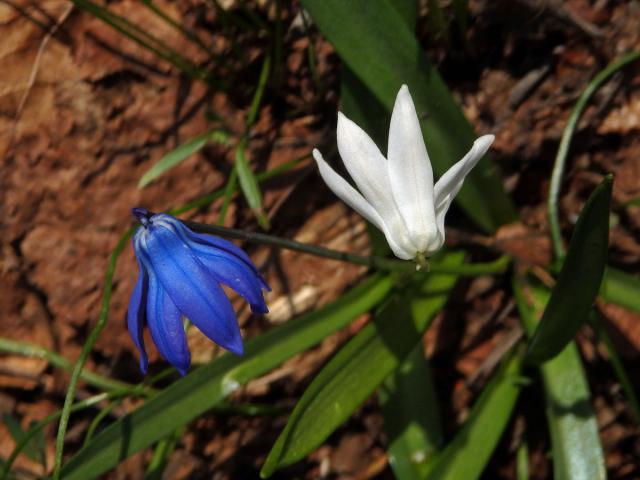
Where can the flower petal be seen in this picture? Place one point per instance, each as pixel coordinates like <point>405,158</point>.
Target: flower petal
<point>204,243</point>
<point>136,317</point>
<point>410,173</point>
<point>165,325</point>
<point>194,291</point>
<point>448,186</point>
<point>369,170</point>
<point>355,200</point>
<point>227,269</point>
<point>346,192</point>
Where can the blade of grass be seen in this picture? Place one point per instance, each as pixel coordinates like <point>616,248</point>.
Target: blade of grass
<point>411,418</point>
<point>621,288</point>
<point>437,23</point>
<point>181,153</point>
<point>577,452</point>
<point>359,367</point>
<point>373,40</point>
<point>188,34</point>
<point>563,149</point>
<point>617,365</point>
<point>579,280</point>
<point>32,448</point>
<point>466,456</point>
<point>248,182</point>
<point>148,41</point>
<point>203,388</point>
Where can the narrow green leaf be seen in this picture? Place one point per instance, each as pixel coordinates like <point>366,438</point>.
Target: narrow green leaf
<point>374,41</point>
<point>411,417</point>
<point>577,452</point>
<point>579,280</point>
<point>438,27</point>
<point>359,368</point>
<point>196,393</point>
<point>616,364</point>
<point>621,288</point>
<point>34,448</point>
<point>249,184</point>
<point>522,461</point>
<point>466,456</point>
<point>181,153</point>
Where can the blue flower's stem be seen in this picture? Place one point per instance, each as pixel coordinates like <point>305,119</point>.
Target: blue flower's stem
<point>377,263</point>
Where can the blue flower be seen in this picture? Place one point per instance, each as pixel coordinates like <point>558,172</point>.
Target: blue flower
<point>180,276</point>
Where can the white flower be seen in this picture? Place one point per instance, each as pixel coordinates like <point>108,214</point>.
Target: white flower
<point>397,193</point>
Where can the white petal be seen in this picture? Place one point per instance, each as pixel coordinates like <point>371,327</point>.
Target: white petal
<point>355,200</point>
<point>346,192</point>
<point>410,172</point>
<point>369,171</point>
<point>448,186</point>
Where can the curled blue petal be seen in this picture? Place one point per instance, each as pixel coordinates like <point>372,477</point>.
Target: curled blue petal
<point>136,317</point>
<point>206,244</point>
<point>165,325</point>
<point>227,269</point>
<point>194,291</point>
<point>180,276</point>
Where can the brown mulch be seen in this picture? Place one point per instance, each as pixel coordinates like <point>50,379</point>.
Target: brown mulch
<point>85,112</point>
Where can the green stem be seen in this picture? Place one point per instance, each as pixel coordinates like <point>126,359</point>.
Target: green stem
<point>188,34</point>
<point>58,361</point>
<point>89,402</point>
<point>616,363</point>
<point>563,149</point>
<point>84,354</point>
<point>378,263</point>
<point>148,41</point>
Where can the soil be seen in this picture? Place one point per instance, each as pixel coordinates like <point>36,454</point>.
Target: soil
<point>84,112</point>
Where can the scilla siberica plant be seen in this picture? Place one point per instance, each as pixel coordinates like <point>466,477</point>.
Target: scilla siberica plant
<point>397,194</point>
<point>180,276</point>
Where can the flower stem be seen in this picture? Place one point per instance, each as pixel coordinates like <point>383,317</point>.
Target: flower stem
<point>563,149</point>
<point>378,263</point>
<point>30,350</point>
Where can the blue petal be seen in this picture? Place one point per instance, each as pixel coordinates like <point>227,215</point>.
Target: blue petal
<point>136,317</point>
<point>225,268</point>
<point>204,243</point>
<point>165,325</point>
<point>192,288</point>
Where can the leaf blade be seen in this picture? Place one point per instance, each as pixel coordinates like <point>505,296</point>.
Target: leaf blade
<point>358,368</point>
<point>579,280</point>
<point>577,451</point>
<point>411,418</point>
<point>181,153</point>
<point>204,387</point>
<point>468,453</point>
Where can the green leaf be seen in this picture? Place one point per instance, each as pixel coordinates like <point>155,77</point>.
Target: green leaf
<point>374,41</point>
<point>466,456</point>
<point>181,153</point>
<point>411,417</point>
<point>579,280</point>
<point>203,388</point>
<point>359,367</point>
<point>249,184</point>
<point>34,449</point>
<point>621,288</point>
<point>577,452</point>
